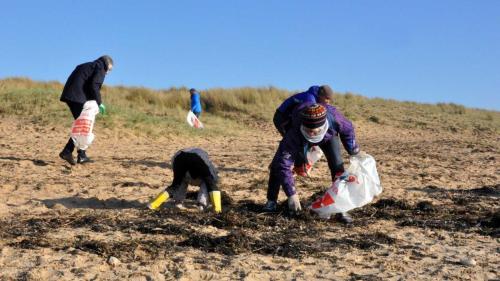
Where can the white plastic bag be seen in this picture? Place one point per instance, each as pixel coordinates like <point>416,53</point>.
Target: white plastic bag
<point>193,121</point>
<point>355,189</point>
<point>314,154</point>
<point>81,131</point>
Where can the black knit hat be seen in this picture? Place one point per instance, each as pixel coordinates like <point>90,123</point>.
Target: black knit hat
<point>313,116</point>
<point>326,91</point>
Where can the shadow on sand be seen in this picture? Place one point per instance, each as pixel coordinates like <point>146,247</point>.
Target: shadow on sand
<point>438,192</point>
<point>36,162</point>
<point>93,203</point>
<point>128,162</point>
<point>235,170</point>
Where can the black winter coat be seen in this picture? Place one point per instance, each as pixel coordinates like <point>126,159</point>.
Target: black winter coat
<point>85,83</point>
<point>196,162</point>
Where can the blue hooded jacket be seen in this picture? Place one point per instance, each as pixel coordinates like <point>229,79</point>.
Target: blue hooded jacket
<point>195,103</point>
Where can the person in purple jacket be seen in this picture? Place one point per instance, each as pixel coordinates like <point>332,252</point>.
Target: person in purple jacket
<point>312,124</point>
<point>315,94</point>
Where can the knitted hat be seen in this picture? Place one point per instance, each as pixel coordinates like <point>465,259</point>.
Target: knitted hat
<point>326,91</point>
<point>313,116</point>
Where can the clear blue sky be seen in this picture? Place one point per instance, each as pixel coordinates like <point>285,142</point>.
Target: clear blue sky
<point>425,51</point>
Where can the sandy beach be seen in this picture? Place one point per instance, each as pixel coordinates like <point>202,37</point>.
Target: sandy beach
<point>437,217</point>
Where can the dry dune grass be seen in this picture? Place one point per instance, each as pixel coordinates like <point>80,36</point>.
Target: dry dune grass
<point>133,106</point>
<point>437,218</point>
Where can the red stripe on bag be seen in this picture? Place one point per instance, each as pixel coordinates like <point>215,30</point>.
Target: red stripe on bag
<point>327,200</point>
<point>317,204</point>
<point>81,126</point>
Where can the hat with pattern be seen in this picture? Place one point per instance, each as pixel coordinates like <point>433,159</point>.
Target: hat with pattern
<point>313,116</point>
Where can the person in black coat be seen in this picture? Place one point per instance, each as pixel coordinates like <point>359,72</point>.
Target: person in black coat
<point>84,84</point>
<point>192,166</point>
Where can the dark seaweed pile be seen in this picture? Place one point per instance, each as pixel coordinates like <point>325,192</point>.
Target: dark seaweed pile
<point>250,230</point>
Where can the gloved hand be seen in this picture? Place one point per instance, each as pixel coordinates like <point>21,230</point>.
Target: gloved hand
<point>302,170</point>
<point>203,196</point>
<point>294,203</point>
<point>341,175</point>
<point>102,109</point>
<point>345,176</point>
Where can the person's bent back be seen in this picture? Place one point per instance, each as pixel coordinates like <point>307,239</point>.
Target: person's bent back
<point>315,94</point>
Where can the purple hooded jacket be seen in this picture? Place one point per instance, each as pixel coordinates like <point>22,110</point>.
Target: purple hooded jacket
<point>294,143</point>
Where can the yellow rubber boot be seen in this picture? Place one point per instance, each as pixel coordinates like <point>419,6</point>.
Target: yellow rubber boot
<point>216,201</point>
<point>160,199</point>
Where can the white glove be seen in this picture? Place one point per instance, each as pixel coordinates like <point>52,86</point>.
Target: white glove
<point>203,195</point>
<point>294,203</point>
<point>180,206</point>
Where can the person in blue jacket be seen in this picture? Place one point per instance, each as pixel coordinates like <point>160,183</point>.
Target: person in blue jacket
<point>312,124</point>
<point>315,94</point>
<point>195,102</point>
<point>84,84</point>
